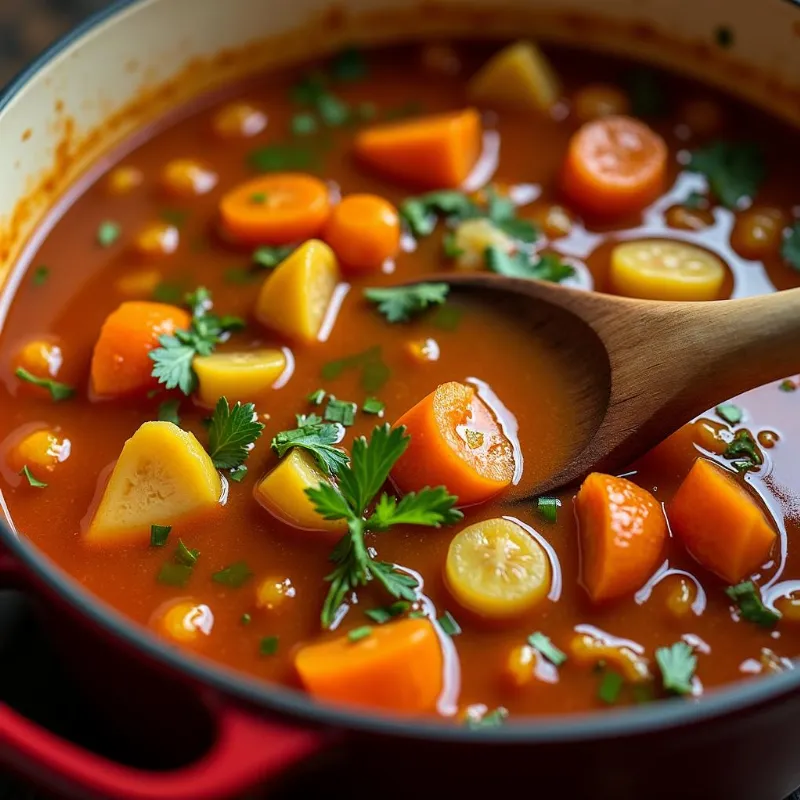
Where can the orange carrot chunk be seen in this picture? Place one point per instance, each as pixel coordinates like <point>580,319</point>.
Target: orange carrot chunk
<point>364,232</point>
<point>397,667</point>
<point>720,523</point>
<point>120,362</point>
<point>275,209</point>
<point>614,166</point>
<point>455,442</point>
<point>622,534</point>
<point>437,151</point>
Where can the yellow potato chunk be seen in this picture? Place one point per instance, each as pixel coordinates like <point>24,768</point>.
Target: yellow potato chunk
<point>496,569</point>
<point>43,449</point>
<point>294,299</point>
<point>139,284</point>
<point>657,269</point>
<point>283,493</point>
<point>163,475</point>
<point>238,376</point>
<point>473,237</point>
<point>517,77</point>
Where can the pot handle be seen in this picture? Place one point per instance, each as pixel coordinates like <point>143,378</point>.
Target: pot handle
<point>247,751</point>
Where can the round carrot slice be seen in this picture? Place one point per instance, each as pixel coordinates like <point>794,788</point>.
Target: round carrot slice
<point>622,534</point>
<point>455,442</point>
<point>364,232</point>
<point>275,209</point>
<point>615,166</point>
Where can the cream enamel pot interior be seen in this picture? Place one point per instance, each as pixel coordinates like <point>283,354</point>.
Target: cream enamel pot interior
<point>137,60</point>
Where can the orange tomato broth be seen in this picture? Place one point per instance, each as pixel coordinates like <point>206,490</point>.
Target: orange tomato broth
<point>486,345</point>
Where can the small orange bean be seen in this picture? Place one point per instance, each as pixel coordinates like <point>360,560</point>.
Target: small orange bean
<point>273,592</point>
<point>183,621</point>
<point>768,439</point>
<point>681,594</point>
<point>158,239</point>
<point>711,435</point>
<point>123,180</point>
<point>519,666</point>
<point>758,232</point>
<point>43,449</point>
<point>41,358</point>
<point>423,351</point>
<point>689,219</point>
<point>239,121</point>
<point>186,177</point>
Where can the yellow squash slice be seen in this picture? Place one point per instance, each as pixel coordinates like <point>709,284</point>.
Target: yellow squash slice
<point>240,377</point>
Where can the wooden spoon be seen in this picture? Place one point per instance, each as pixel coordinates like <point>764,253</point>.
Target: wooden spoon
<point>639,369</point>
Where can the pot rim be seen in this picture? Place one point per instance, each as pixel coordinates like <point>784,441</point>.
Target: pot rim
<point>626,722</point>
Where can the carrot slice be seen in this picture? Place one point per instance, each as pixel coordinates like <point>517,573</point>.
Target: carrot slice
<point>120,362</point>
<point>614,166</point>
<point>397,667</point>
<point>455,442</point>
<point>622,534</point>
<point>275,209</point>
<point>720,523</point>
<point>430,152</point>
<point>364,232</point>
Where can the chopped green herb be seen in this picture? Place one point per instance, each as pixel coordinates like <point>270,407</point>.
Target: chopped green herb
<point>341,411</point>
<point>748,598</point>
<point>502,212</point>
<point>447,317</point>
<point>172,574</point>
<point>677,665</point>
<point>548,508</point>
<point>646,93</point>
<point>349,65</point>
<point>26,473</point>
<point>174,216</point>
<point>385,613</point>
<point>107,233</point>
<point>40,275</point>
<point>168,292</point>
<point>374,371</point>
<point>610,686</point>
<point>493,719</point>
<point>269,257</point>
<point>268,646</point>
<point>357,634</point>
<point>744,450</point>
<point>278,157</point>
<point>258,198</point>
<point>332,111</point>
<point>730,412</point>
<point>317,398</point>
<point>238,474</point>
<point>374,375</point>
<point>168,411</point>
<point>233,433</point>
<point>723,36</point>
<point>400,303</point>
<point>159,535</point>
<point>450,246</point>
<point>546,267</point>
<point>695,200</point>
<point>304,124</point>
<point>373,406</point>
<point>58,391</point>
<point>234,575</point>
<point>309,89</point>
<point>538,641</point>
<point>420,213</point>
<point>790,247</point>
<point>318,438</point>
<point>448,624</point>
<point>183,555</point>
<point>787,386</point>
<point>246,619</point>
<point>239,276</point>
<point>734,170</point>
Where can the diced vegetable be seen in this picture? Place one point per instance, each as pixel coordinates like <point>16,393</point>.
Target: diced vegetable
<point>518,77</point>
<point>758,232</point>
<point>681,594</point>
<point>519,667</point>
<point>398,667</point>
<point>294,299</point>
<point>455,442</point>
<point>422,351</point>
<point>41,358</point>
<point>157,239</point>
<point>657,269</point>
<point>364,232</point>
<point>600,100</point>
<point>472,237</point>
<point>615,166</point>
<point>40,450</point>
<point>120,363</point>
<point>437,151</point>
<point>124,180</point>
<point>183,621</point>
<point>273,592</point>
<point>283,493</point>
<point>163,476</point>
<point>496,569</point>
<point>590,650</point>
<point>278,208</point>
<point>554,220</point>
<point>239,120</point>
<point>241,376</point>
<point>139,284</point>
<point>622,535</point>
<point>720,523</point>
<point>187,177</point>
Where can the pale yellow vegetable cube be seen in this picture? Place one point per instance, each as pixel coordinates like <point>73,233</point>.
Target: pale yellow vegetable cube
<point>295,297</point>
<point>163,475</point>
<point>518,77</point>
<point>657,269</point>
<point>283,493</point>
<point>243,376</point>
<point>472,238</point>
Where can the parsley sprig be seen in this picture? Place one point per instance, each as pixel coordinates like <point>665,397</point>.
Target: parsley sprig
<point>677,664</point>
<point>544,267</point>
<point>734,170</point>
<point>316,436</point>
<point>400,303</point>
<point>747,597</point>
<point>232,434</point>
<point>358,484</point>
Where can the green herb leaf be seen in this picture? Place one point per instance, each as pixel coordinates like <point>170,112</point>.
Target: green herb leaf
<point>374,371</point>
<point>502,213</point>
<point>357,634</point>
<point>400,303</point>
<point>240,276</point>
<point>447,317</point>
<point>269,257</point>
<point>548,267</point>
<point>58,391</point>
<point>734,170</point>
<point>107,233</point>
<point>494,719</point>
<point>40,275</point>
<point>385,613</point>
<point>677,664</point>
<point>172,364</point>
<point>787,386</point>
<point>317,398</point>
<point>448,624</point>
<point>278,157</point>
<point>268,646</point>
<point>234,575</point>
<point>238,474</point>
<point>790,247</point>
<point>538,641</point>
<point>26,473</point>
<point>730,412</point>
<point>332,111</point>
<point>744,449</point>
<point>304,124</point>
<point>421,213</point>
<point>341,411</point>
<point>450,247</point>
<point>748,598</point>
<point>168,292</point>
<point>183,555</point>
<point>172,574</point>
<point>431,507</point>
<point>233,433</point>
<point>610,686</point>
<point>246,619</point>
<point>373,406</point>
<point>318,438</point>
<point>168,411</point>
<point>548,508</point>
<point>349,65</point>
<point>159,535</point>
<point>645,93</point>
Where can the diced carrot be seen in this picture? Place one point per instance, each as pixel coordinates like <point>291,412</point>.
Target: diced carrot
<point>397,667</point>
<point>675,456</point>
<point>719,522</point>
<point>437,151</point>
<point>120,362</point>
<point>364,232</point>
<point>622,534</point>
<point>455,442</point>
<point>273,209</point>
<point>614,166</point>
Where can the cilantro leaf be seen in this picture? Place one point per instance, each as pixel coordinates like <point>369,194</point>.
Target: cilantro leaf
<point>494,719</point>
<point>730,412</point>
<point>329,503</point>
<point>172,364</point>
<point>232,433</point>
<point>538,641</point>
<point>58,391</point>
<point>748,598</point>
<point>744,447</point>
<point>268,257</point>
<point>790,248</point>
<point>318,438</point>
<point>341,411</point>
<point>349,65</point>
<point>107,233</point>
<point>447,622</point>
<point>40,275</point>
<point>168,411</point>
<point>677,665</point>
<point>548,267</point>
<point>421,213</point>
<point>373,406</point>
<point>502,212</point>
<point>734,170</point>
<point>432,507</point>
<point>400,303</point>
<point>238,474</point>
<point>26,473</point>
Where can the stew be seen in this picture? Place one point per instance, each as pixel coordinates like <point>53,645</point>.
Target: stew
<point>223,414</point>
